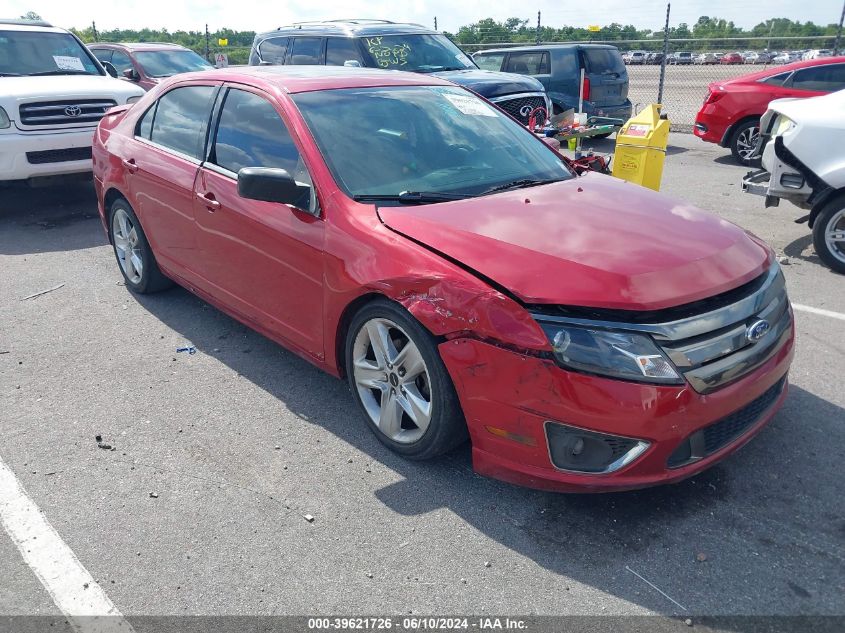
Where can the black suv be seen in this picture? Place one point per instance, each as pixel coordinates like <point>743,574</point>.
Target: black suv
<point>409,47</point>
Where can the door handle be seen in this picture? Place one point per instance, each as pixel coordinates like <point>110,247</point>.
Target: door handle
<point>208,200</point>
<point>130,165</point>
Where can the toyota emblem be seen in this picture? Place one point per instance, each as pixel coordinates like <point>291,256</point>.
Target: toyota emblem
<point>73,110</point>
<point>757,330</point>
<point>525,110</point>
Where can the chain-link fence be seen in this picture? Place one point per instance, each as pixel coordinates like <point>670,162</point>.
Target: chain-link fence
<point>692,65</point>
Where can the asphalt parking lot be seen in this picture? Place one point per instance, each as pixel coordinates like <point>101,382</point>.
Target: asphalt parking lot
<point>241,440</point>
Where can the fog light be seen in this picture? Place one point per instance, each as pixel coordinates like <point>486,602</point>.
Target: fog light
<point>583,451</point>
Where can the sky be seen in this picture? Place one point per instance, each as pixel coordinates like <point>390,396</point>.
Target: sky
<point>261,15</point>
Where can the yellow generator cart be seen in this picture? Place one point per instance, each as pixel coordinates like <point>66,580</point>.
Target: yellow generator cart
<point>641,148</point>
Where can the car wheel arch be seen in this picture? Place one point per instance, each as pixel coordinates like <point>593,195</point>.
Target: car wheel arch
<point>109,198</point>
<point>832,195</point>
<point>726,138</point>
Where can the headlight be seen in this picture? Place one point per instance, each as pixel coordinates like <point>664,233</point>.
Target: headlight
<point>134,99</point>
<point>784,124</point>
<point>625,355</point>
<point>4,120</point>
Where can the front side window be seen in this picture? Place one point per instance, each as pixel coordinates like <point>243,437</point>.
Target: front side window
<point>415,53</point>
<point>389,140</point>
<point>167,63</point>
<point>121,62</point>
<point>273,50</point>
<point>306,51</point>
<point>340,50</point>
<point>827,78</point>
<point>44,53</point>
<point>489,61</point>
<point>181,119</point>
<point>102,54</point>
<point>528,63</point>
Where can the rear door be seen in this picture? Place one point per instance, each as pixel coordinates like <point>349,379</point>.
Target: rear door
<point>607,74</point>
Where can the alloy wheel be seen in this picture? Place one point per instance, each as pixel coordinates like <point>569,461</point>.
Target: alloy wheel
<point>746,142</point>
<point>834,235</point>
<point>127,246</point>
<point>392,380</point>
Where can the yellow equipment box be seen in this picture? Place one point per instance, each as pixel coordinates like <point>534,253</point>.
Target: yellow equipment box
<point>641,148</point>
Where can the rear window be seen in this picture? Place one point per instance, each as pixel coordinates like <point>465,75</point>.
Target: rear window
<point>604,60</point>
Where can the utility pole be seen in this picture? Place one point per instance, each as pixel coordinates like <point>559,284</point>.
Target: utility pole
<point>839,32</point>
<point>94,31</point>
<point>435,22</point>
<point>207,49</point>
<point>665,55</point>
<point>538,28</point>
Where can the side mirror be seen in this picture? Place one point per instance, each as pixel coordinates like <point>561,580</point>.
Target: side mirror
<point>110,69</point>
<point>352,63</point>
<point>130,74</point>
<point>271,184</point>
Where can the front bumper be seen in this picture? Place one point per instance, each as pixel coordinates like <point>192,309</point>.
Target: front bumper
<point>28,155</point>
<point>517,395</point>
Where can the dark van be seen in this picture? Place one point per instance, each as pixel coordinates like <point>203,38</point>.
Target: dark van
<point>558,67</point>
<point>393,46</point>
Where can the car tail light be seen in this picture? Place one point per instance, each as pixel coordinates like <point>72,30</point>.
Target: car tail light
<point>714,95</point>
<point>586,88</point>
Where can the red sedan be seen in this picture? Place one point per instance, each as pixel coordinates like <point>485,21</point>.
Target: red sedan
<point>732,58</point>
<point>732,109</point>
<point>397,230</point>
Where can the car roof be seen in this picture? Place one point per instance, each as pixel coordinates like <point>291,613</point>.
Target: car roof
<point>785,68</point>
<point>296,79</point>
<point>29,25</point>
<point>540,47</point>
<point>138,46</point>
<point>348,28</point>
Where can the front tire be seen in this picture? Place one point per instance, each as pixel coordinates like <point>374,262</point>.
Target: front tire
<point>744,141</point>
<point>401,384</point>
<point>829,234</point>
<point>132,251</point>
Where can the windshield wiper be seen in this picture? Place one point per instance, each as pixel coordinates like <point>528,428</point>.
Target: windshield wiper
<point>65,71</point>
<point>411,197</point>
<point>521,184</point>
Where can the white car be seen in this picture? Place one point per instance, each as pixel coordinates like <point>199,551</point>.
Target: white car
<point>817,53</point>
<point>53,92</point>
<point>803,160</point>
<point>785,58</point>
<point>636,57</point>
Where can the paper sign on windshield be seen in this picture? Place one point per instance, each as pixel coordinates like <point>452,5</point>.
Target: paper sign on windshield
<point>470,105</point>
<point>68,63</point>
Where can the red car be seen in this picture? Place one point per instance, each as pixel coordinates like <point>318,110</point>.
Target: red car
<point>147,63</point>
<point>731,112</point>
<point>732,58</point>
<point>397,230</point>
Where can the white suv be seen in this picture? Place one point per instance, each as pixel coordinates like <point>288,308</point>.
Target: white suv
<point>53,92</point>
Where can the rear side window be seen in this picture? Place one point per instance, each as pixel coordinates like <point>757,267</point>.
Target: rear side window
<point>528,63</point>
<point>340,50</point>
<point>273,50</point>
<point>827,78</point>
<point>181,119</point>
<point>145,125</point>
<point>306,51</point>
<point>489,61</point>
<point>776,80</point>
<point>605,60</point>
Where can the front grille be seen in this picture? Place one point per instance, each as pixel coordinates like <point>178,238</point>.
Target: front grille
<point>64,112</point>
<point>58,155</point>
<point>710,439</point>
<point>516,107</point>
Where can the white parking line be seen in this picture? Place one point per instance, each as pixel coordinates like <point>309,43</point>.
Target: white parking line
<point>819,311</point>
<point>69,584</point>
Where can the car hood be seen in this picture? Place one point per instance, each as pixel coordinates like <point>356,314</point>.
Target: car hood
<point>51,87</point>
<point>591,241</point>
<point>491,84</point>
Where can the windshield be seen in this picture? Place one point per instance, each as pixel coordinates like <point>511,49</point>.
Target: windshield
<point>167,63</point>
<point>419,53</point>
<point>432,139</point>
<point>43,53</point>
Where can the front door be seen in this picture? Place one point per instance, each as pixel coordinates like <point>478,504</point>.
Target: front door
<point>263,259</point>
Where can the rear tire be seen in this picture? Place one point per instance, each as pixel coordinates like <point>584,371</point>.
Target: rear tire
<point>743,141</point>
<point>132,250</point>
<point>401,384</point>
<point>829,234</point>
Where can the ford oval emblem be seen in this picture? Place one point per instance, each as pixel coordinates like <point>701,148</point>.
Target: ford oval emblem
<point>73,111</point>
<point>757,330</point>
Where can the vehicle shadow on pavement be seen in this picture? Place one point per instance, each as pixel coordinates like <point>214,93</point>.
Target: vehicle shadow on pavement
<point>756,534</point>
<point>70,208</point>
